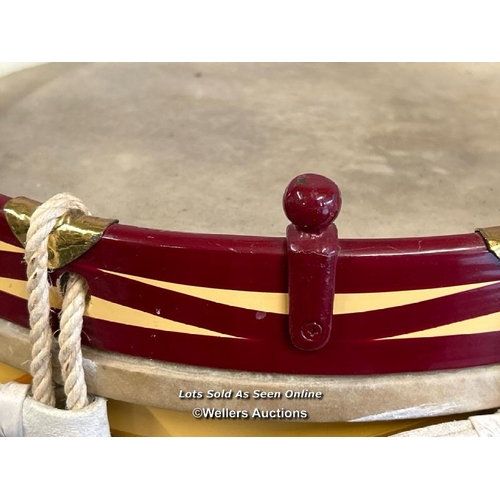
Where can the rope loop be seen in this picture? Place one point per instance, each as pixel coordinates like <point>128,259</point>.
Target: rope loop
<point>74,291</point>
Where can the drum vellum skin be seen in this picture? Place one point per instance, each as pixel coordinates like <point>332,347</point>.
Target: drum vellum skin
<point>202,152</point>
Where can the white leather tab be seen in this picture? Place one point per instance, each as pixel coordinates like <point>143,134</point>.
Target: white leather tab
<point>44,421</point>
<point>12,396</point>
<point>487,425</point>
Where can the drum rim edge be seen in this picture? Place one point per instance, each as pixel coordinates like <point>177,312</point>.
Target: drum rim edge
<point>345,398</point>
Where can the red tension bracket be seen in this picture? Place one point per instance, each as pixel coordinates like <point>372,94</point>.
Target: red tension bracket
<point>311,203</point>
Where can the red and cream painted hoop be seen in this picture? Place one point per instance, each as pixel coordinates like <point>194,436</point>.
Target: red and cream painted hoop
<point>400,305</point>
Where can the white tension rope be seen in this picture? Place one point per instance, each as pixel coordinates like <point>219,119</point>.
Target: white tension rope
<point>42,222</point>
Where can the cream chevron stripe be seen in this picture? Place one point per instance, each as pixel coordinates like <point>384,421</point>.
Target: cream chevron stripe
<point>116,313</point>
<point>110,311</point>
<point>271,302</point>
<point>7,247</point>
<point>473,326</point>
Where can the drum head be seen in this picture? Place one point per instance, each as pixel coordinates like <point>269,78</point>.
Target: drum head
<point>210,147</point>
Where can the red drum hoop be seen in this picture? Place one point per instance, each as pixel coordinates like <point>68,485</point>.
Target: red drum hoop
<point>403,305</point>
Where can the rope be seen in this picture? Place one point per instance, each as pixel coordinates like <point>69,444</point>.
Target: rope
<point>42,223</point>
<point>74,293</point>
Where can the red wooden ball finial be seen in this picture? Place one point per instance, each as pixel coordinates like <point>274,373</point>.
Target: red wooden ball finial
<point>312,201</point>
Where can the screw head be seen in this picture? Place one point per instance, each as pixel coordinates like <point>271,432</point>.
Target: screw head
<point>310,331</point>
<point>312,201</point>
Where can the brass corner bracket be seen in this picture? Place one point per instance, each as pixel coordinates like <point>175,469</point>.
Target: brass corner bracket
<point>491,236</point>
<point>73,234</point>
